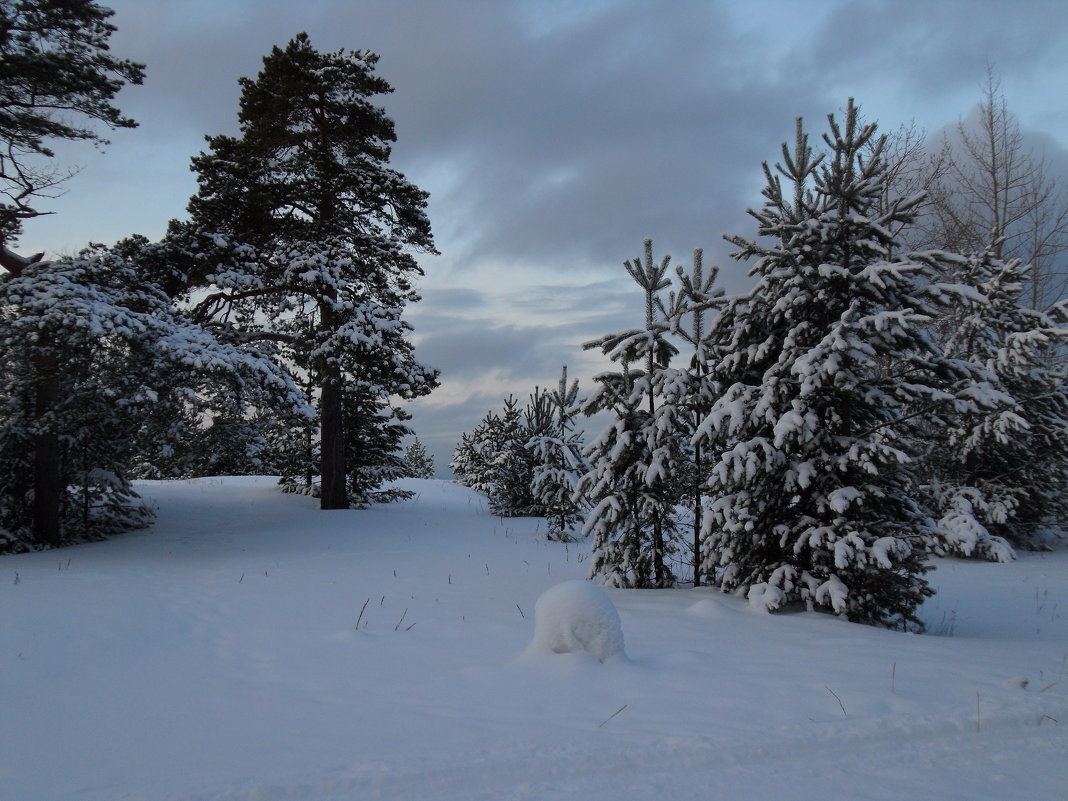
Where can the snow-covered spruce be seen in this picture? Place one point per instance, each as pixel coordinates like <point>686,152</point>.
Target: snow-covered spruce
<point>577,616</point>
<point>494,460</point>
<point>685,393</point>
<point>526,460</point>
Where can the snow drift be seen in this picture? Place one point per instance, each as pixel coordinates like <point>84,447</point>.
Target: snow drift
<point>577,616</point>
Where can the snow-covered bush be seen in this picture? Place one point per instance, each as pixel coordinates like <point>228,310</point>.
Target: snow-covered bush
<point>577,616</point>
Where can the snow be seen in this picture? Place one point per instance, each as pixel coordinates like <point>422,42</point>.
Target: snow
<point>575,617</point>
<point>217,656</point>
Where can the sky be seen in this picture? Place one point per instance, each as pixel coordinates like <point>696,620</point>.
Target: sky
<point>554,136</point>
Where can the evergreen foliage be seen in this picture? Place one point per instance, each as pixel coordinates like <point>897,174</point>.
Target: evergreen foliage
<point>686,393</point>
<point>620,519</point>
<point>374,429</point>
<point>558,461</point>
<point>635,464</point>
<point>824,366</point>
<point>305,239</point>
<point>526,460</point>
<point>90,350</point>
<point>418,463</point>
<point>997,476</point>
<point>56,72</point>
<point>495,461</point>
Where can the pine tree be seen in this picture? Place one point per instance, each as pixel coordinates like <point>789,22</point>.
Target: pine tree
<point>630,485</point>
<point>559,463</point>
<point>475,458</point>
<point>509,464</point>
<point>419,463</point>
<point>823,367</point>
<point>996,475</point>
<point>686,394</point>
<point>313,236</point>
<point>56,73</point>
<point>466,460</point>
<point>123,348</point>
<point>374,429</point>
<point>620,517</point>
<point>499,458</point>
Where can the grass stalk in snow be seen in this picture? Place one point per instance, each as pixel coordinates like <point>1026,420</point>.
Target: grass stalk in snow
<point>839,700</point>
<point>601,724</point>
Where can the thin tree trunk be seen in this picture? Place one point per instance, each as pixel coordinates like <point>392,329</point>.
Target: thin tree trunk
<point>697,518</point>
<point>48,477</point>
<point>658,514</point>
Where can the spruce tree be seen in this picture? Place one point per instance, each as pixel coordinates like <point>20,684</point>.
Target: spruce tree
<point>374,429</point>
<point>308,236</point>
<point>475,459</point>
<point>619,519</point>
<point>509,465</point>
<point>466,460</point>
<point>823,367</point>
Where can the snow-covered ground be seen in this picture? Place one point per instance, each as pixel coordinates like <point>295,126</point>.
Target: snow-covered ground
<point>217,656</point>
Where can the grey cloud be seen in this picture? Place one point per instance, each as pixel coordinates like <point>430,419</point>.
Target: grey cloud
<point>555,137</point>
<point>463,351</point>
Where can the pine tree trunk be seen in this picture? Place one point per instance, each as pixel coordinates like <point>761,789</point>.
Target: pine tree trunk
<point>697,510</point>
<point>48,477</point>
<point>658,514</point>
<point>334,493</point>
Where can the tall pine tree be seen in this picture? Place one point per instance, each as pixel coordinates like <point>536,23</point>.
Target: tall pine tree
<point>686,393</point>
<point>58,79</point>
<point>313,235</point>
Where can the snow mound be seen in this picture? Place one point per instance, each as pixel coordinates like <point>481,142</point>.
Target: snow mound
<point>577,616</point>
<point>708,609</point>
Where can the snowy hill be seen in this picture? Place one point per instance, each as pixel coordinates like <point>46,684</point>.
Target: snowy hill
<point>217,656</point>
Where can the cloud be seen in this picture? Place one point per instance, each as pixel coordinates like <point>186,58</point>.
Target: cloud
<point>555,136</point>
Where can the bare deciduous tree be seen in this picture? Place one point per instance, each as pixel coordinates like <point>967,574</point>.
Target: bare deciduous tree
<point>998,192</point>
